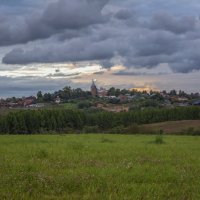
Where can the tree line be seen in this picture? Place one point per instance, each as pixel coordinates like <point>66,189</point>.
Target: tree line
<point>65,94</point>
<point>68,93</point>
<point>66,121</point>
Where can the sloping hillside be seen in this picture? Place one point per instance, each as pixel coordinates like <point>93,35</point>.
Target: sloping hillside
<point>174,126</point>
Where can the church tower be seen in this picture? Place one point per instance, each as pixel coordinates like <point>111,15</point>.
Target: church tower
<point>94,90</point>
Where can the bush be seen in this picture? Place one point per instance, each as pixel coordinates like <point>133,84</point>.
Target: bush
<point>84,104</point>
<point>159,139</point>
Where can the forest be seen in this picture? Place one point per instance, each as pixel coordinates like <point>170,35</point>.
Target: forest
<point>77,121</point>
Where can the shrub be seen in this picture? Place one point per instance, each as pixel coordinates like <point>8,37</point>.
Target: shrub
<point>84,104</point>
<point>159,139</point>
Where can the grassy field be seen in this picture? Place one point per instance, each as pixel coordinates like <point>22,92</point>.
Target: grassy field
<point>99,167</point>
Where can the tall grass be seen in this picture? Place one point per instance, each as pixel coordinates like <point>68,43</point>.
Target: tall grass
<point>99,167</point>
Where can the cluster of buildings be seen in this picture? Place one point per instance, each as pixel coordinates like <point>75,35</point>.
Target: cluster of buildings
<point>103,93</point>
<point>181,101</point>
<point>23,102</point>
<point>168,99</point>
<point>114,103</point>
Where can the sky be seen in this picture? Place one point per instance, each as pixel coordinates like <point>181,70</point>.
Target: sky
<point>46,45</point>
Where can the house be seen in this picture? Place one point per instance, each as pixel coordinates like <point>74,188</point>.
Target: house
<point>3,104</point>
<point>130,98</point>
<point>179,99</point>
<point>183,104</point>
<point>112,97</point>
<point>28,101</point>
<point>183,99</point>
<point>123,98</point>
<point>196,103</point>
<point>58,100</point>
<point>38,105</point>
<point>102,92</point>
<point>12,104</point>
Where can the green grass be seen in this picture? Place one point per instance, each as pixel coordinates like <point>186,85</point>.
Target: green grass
<point>99,167</point>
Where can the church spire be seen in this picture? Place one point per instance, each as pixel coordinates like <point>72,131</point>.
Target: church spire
<point>94,90</point>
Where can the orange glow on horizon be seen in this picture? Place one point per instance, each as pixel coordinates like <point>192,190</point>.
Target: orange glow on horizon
<point>146,89</point>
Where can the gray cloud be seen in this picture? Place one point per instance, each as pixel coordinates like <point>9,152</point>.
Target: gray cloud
<point>78,49</point>
<point>24,86</point>
<point>81,30</point>
<point>127,73</point>
<point>73,14</point>
<point>165,21</point>
<point>124,14</point>
<point>57,17</point>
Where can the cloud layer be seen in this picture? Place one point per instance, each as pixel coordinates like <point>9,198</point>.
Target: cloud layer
<point>135,34</point>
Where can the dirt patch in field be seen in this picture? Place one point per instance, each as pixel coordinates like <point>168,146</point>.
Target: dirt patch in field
<point>174,126</point>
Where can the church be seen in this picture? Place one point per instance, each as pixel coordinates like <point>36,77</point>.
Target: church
<point>98,92</point>
<point>94,90</point>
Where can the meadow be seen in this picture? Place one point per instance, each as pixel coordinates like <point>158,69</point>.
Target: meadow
<point>99,167</point>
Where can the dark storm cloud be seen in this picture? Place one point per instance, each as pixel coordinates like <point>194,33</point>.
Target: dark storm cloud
<point>165,21</point>
<point>109,33</point>
<point>156,43</point>
<point>74,14</point>
<point>57,17</point>
<point>79,49</point>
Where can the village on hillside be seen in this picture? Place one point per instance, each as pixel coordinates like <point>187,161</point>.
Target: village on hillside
<point>112,99</point>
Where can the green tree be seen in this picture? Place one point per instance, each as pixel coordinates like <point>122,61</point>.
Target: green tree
<point>39,95</point>
<point>47,97</point>
<point>111,91</point>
